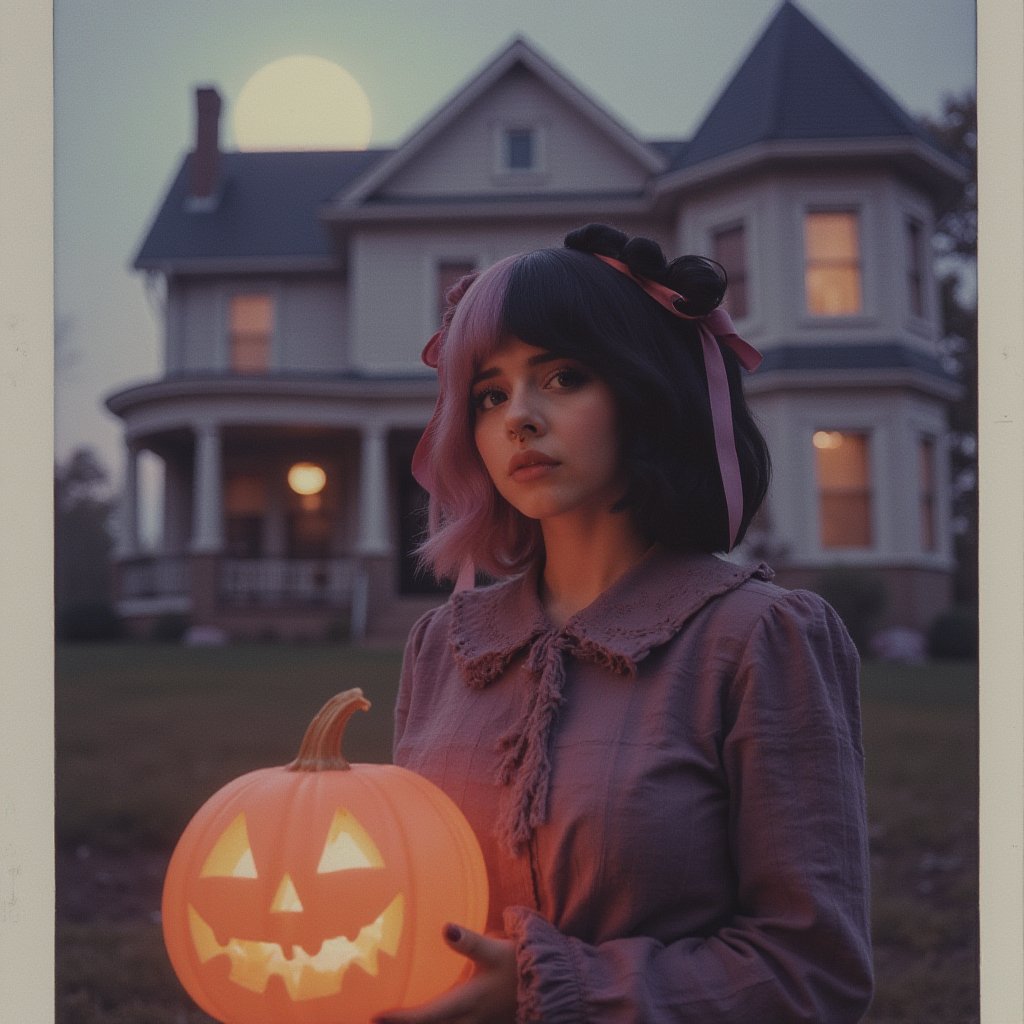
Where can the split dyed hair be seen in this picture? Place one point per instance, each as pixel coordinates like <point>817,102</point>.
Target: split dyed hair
<point>573,305</point>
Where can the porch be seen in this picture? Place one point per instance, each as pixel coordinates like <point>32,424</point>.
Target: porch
<point>290,598</point>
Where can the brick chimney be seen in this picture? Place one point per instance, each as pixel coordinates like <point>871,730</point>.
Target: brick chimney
<point>205,163</point>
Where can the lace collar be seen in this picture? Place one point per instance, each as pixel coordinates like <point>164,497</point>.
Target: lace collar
<point>643,609</point>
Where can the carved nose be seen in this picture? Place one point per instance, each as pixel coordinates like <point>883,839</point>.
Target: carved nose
<point>286,900</point>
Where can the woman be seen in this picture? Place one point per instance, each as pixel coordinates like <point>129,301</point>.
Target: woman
<point>659,751</point>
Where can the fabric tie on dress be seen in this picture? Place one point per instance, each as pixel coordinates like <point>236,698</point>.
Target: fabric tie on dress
<point>525,763</point>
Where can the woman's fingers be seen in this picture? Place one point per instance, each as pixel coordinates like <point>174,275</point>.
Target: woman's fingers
<point>481,949</point>
<point>488,997</point>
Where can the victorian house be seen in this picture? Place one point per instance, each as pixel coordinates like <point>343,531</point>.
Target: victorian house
<point>299,288</point>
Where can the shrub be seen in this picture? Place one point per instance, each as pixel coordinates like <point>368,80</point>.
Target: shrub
<point>89,620</point>
<point>169,628</point>
<point>858,595</point>
<point>954,634</point>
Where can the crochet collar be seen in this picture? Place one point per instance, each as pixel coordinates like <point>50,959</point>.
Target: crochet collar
<point>643,609</point>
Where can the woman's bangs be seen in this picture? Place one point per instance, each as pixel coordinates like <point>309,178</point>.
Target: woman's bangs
<point>477,327</point>
<point>545,304</point>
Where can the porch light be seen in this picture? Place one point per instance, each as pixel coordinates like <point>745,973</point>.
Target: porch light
<point>306,478</point>
<point>827,439</point>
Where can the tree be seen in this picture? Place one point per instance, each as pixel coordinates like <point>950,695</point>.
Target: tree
<point>83,545</point>
<point>956,250</point>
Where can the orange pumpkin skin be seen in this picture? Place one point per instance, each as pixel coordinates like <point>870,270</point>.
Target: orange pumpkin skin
<point>316,893</point>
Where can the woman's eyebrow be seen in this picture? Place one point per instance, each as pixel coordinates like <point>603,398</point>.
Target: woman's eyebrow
<point>494,371</point>
<point>491,371</point>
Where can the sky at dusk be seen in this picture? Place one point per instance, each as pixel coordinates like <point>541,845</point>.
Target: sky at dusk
<point>125,72</point>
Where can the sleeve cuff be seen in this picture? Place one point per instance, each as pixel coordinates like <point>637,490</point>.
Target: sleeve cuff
<point>549,989</point>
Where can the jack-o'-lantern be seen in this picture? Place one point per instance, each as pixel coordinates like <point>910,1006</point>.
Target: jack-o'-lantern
<point>316,892</point>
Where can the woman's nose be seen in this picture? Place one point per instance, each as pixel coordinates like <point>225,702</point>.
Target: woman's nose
<point>522,415</point>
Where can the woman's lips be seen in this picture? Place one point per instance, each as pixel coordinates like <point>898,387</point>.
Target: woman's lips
<point>525,466</point>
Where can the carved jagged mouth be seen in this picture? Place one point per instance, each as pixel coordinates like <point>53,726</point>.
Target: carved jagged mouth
<point>305,976</point>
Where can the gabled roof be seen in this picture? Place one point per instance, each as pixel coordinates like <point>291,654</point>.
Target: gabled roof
<point>796,84</point>
<point>795,89</point>
<point>267,210</point>
<point>518,52</point>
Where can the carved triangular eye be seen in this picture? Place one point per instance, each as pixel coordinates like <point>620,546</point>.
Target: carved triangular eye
<point>231,856</point>
<point>348,846</point>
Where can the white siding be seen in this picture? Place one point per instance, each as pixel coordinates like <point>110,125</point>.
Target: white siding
<point>894,422</point>
<point>309,323</point>
<point>393,281</point>
<point>773,210</point>
<point>461,160</point>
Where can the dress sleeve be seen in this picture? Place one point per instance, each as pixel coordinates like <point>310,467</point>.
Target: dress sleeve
<point>796,945</point>
<point>413,646</point>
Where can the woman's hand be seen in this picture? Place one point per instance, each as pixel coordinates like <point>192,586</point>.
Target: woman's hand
<point>489,997</point>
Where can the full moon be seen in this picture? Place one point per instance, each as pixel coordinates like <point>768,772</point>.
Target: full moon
<point>302,102</point>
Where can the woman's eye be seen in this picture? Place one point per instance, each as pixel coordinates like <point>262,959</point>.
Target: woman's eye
<point>568,377</point>
<point>488,398</point>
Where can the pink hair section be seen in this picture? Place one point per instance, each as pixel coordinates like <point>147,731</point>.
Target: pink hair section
<point>468,518</point>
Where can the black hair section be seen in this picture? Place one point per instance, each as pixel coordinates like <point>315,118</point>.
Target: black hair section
<point>573,305</point>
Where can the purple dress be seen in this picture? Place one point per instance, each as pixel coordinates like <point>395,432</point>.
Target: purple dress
<point>668,792</point>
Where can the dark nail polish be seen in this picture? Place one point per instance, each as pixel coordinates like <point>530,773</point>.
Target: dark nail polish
<point>452,933</point>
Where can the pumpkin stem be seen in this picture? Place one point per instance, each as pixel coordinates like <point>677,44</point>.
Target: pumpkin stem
<point>320,749</point>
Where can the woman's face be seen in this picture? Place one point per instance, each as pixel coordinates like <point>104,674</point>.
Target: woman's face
<point>546,429</point>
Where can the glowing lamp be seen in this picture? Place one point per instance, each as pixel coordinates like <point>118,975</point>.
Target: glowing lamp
<point>315,892</point>
<point>306,478</point>
<point>827,439</point>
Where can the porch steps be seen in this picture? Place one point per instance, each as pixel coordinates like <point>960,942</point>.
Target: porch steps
<point>389,626</point>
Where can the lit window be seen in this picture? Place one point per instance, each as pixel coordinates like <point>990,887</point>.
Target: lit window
<point>844,488</point>
<point>520,151</point>
<point>448,272</point>
<point>926,482</point>
<point>251,326</point>
<point>915,266</point>
<point>833,273</point>
<point>729,247</point>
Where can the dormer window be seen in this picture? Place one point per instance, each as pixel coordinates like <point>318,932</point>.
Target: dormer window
<point>251,324</point>
<point>519,149</point>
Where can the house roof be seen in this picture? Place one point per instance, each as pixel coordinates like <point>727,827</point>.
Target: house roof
<point>267,209</point>
<point>796,84</point>
<point>518,53</point>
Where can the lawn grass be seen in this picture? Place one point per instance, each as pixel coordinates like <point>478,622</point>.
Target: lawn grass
<point>145,734</point>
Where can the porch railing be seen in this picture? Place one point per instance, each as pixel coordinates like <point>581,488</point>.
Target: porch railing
<point>154,577</point>
<point>244,582</point>
<point>287,581</point>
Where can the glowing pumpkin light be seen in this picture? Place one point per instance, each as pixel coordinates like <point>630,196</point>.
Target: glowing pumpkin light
<point>315,892</point>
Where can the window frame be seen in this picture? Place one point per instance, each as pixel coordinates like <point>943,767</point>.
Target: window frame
<point>867,492</point>
<point>440,263</point>
<point>928,494</point>
<point>716,232</point>
<point>504,172</point>
<point>856,211</point>
<point>917,266</point>
<point>231,334</point>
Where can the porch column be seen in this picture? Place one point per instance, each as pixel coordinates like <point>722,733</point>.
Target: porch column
<point>374,515</point>
<point>207,500</point>
<point>128,539</point>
